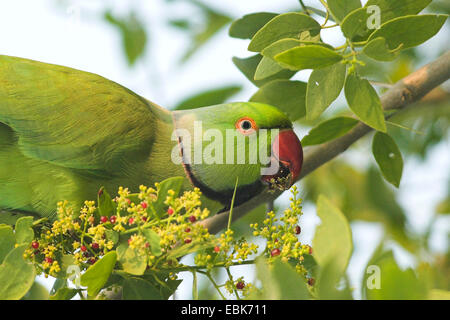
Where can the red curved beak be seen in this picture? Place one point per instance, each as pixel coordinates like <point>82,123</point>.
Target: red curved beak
<point>288,150</point>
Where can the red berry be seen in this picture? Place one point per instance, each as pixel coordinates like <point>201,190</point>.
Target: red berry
<point>92,260</point>
<point>103,219</point>
<point>113,219</point>
<point>216,249</point>
<point>298,230</point>
<point>170,211</point>
<point>275,252</point>
<point>187,240</point>
<point>83,248</point>
<point>147,244</point>
<point>144,219</point>
<point>240,285</point>
<point>35,244</point>
<point>144,205</point>
<point>130,221</point>
<point>192,219</point>
<point>187,230</point>
<point>128,201</point>
<point>48,260</point>
<point>94,245</point>
<point>311,281</point>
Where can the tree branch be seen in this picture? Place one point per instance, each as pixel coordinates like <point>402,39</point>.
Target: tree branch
<point>401,95</point>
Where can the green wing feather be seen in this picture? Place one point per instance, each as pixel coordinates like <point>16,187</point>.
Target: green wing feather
<point>64,131</point>
<point>72,118</point>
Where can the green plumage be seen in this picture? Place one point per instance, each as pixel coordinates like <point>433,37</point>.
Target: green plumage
<point>65,133</point>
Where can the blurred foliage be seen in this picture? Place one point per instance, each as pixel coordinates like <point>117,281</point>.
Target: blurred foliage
<point>359,192</point>
<point>134,36</point>
<point>209,97</point>
<point>200,33</point>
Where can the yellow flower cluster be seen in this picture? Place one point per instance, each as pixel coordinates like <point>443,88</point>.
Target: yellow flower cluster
<point>281,234</point>
<point>137,219</point>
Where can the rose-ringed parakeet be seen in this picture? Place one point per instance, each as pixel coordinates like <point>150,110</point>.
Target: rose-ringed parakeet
<point>65,133</point>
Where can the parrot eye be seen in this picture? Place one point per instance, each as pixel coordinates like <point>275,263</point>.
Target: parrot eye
<point>246,126</point>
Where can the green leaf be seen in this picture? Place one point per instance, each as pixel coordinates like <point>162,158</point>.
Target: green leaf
<point>134,36</point>
<point>213,22</point>
<point>324,86</point>
<point>36,292</point>
<point>330,275</point>
<point>280,281</point>
<point>154,240</point>
<point>248,25</point>
<point>395,284</point>
<point>64,294</point>
<point>310,265</point>
<point>58,284</point>
<point>388,157</point>
<point>285,44</point>
<point>182,24</point>
<point>328,130</point>
<point>169,290</point>
<point>7,241</point>
<point>23,230</point>
<point>10,217</point>
<point>382,199</point>
<point>292,286</point>
<point>16,275</point>
<point>209,97</point>
<point>194,246</point>
<point>248,67</point>
<point>308,57</point>
<point>106,206</point>
<point>333,238</point>
<point>268,66</point>
<point>112,235</point>
<point>97,275</point>
<point>409,31</point>
<point>378,49</point>
<point>363,100</point>
<point>175,184</point>
<point>286,95</point>
<point>66,261</point>
<point>287,25</point>
<point>355,24</point>
<point>392,9</point>
<point>341,8</point>
<point>132,262</point>
<point>139,289</point>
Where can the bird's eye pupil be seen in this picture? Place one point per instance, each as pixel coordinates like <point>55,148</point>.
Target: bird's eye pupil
<point>246,125</point>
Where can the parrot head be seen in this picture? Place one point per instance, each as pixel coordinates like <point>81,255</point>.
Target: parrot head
<point>251,144</point>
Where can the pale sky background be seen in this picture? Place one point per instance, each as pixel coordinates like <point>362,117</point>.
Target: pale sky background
<point>72,34</point>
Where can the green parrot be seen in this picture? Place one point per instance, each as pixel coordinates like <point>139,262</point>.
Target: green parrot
<point>66,133</point>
